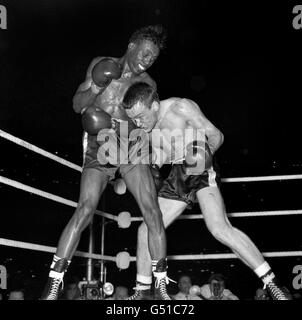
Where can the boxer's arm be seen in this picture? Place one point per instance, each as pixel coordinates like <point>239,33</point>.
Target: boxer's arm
<point>85,96</point>
<point>191,112</point>
<point>147,79</point>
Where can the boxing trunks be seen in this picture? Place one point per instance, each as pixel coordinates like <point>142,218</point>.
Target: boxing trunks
<point>96,160</point>
<point>183,187</point>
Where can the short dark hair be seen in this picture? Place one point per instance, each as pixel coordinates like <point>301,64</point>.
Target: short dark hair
<point>217,277</point>
<point>140,92</point>
<point>155,33</point>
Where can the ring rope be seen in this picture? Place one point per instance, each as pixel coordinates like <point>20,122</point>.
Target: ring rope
<point>50,196</point>
<point>49,155</point>
<point>232,255</point>
<point>33,148</point>
<point>37,247</point>
<point>263,178</point>
<point>238,214</point>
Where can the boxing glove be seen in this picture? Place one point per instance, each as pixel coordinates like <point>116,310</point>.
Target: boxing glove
<point>158,180</point>
<point>95,119</point>
<point>198,158</point>
<point>103,73</point>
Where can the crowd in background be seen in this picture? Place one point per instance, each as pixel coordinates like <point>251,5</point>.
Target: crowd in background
<point>215,288</point>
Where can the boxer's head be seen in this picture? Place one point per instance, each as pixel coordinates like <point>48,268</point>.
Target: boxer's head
<point>142,105</point>
<point>144,48</point>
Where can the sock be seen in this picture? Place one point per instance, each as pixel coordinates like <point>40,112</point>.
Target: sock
<point>58,266</point>
<point>265,273</point>
<point>154,264</point>
<point>143,282</point>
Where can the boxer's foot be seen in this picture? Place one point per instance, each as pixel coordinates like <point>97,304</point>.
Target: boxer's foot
<point>55,280</point>
<point>142,292</point>
<point>161,280</point>
<point>275,290</point>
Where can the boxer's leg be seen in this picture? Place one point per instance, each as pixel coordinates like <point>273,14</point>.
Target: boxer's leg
<point>93,183</point>
<point>171,209</point>
<point>213,209</point>
<point>139,181</point>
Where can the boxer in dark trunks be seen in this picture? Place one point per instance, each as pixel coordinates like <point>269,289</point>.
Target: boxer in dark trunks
<point>193,178</point>
<point>99,99</point>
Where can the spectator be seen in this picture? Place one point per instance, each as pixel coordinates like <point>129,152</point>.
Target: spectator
<point>120,293</point>
<point>184,285</point>
<point>261,294</point>
<point>215,289</point>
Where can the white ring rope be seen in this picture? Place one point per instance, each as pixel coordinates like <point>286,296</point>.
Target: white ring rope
<point>50,196</point>
<point>232,255</point>
<point>33,148</point>
<point>264,178</point>
<point>238,214</point>
<point>49,155</point>
<point>70,203</point>
<point>37,247</point>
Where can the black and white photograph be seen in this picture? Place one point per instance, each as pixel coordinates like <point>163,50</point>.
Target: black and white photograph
<point>150,150</point>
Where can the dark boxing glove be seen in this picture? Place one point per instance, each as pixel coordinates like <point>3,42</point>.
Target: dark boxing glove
<point>103,73</point>
<point>95,119</point>
<point>198,158</point>
<point>158,180</point>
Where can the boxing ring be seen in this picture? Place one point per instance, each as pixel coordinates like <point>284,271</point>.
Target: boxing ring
<point>124,219</point>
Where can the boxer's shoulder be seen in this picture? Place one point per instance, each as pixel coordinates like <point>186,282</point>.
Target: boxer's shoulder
<point>185,107</point>
<point>145,77</point>
<point>177,105</point>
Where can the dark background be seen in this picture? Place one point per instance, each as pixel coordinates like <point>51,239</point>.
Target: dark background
<point>240,62</point>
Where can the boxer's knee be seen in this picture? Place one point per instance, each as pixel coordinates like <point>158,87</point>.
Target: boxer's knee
<point>84,214</point>
<point>222,231</point>
<point>153,220</point>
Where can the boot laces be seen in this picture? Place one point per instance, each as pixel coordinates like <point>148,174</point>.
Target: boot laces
<point>275,291</point>
<point>136,294</point>
<point>54,288</point>
<point>160,283</point>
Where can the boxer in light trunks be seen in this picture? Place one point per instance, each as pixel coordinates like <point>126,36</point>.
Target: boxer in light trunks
<point>187,183</point>
<point>99,99</point>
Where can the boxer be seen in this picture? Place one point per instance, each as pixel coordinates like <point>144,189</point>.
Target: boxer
<point>98,99</point>
<point>193,178</point>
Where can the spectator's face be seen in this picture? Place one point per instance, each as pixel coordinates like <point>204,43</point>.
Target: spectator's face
<point>184,284</point>
<point>121,293</point>
<point>217,288</point>
<point>16,295</point>
<point>141,55</point>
